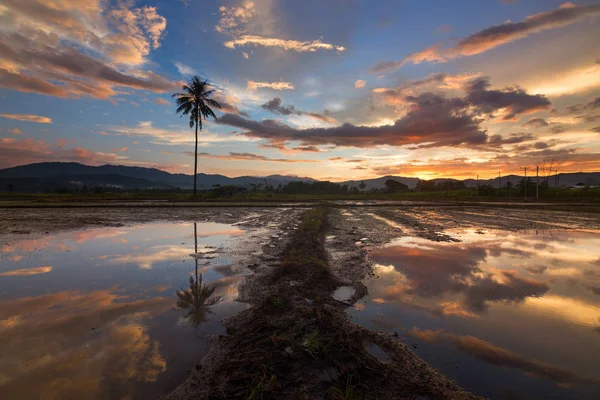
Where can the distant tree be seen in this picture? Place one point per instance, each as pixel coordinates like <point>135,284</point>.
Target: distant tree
<point>362,186</point>
<point>486,190</point>
<point>395,186</point>
<point>426,186</point>
<point>11,187</point>
<point>195,101</point>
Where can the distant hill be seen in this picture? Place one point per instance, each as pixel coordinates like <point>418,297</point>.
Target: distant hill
<point>69,175</point>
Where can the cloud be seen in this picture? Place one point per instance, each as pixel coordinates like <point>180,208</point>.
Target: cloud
<point>583,107</point>
<point>162,101</point>
<point>228,106</point>
<point>438,121</point>
<point>495,36</point>
<point>536,123</point>
<point>27,271</point>
<point>252,85</point>
<point>275,107</point>
<point>233,19</point>
<point>512,101</point>
<point>286,44</point>
<point>173,136</point>
<point>184,69</point>
<point>18,152</point>
<point>397,96</point>
<point>15,131</point>
<point>250,157</point>
<point>28,118</point>
<point>71,50</point>
<point>432,121</point>
<point>359,83</point>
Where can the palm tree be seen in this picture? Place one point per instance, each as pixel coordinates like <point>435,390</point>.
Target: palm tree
<point>195,101</point>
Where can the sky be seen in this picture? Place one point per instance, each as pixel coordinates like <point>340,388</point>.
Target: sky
<point>331,89</point>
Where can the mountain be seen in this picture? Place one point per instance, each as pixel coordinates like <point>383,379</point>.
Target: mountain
<point>68,175</point>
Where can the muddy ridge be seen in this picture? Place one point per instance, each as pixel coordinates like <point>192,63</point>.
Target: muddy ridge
<point>296,341</point>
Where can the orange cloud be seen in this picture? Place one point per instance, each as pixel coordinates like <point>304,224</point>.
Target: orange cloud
<point>28,118</point>
<point>497,35</point>
<point>250,157</point>
<point>252,85</point>
<point>44,39</point>
<point>27,271</point>
<point>359,83</point>
<point>293,45</point>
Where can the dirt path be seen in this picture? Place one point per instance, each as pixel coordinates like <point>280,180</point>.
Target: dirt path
<point>296,341</point>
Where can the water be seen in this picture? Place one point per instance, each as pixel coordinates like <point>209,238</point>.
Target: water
<point>507,315</point>
<point>92,313</point>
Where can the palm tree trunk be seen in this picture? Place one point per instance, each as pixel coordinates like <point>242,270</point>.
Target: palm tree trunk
<point>196,159</point>
<point>196,251</point>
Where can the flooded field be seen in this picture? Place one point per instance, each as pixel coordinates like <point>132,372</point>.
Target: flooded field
<point>505,314</point>
<point>97,304</point>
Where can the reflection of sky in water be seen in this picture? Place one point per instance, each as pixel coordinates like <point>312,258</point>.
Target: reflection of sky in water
<point>89,314</point>
<point>502,313</point>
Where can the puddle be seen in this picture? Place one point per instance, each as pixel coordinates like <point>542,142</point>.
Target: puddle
<point>506,315</point>
<point>94,313</point>
<point>343,293</point>
<point>377,352</point>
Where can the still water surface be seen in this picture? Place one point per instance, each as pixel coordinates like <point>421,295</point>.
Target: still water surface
<point>92,314</point>
<point>507,315</point>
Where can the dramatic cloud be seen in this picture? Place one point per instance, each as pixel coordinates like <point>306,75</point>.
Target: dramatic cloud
<point>397,95</point>
<point>41,46</point>
<point>28,118</point>
<point>250,157</point>
<point>512,101</point>
<point>359,83</point>
<point>434,120</point>
<point>293,45</point>
<point>276,107</point>
<point>252,85</point>
<point>494,36</point>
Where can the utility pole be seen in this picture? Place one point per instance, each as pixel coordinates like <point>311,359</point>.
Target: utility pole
<point>499,181</point>
<point>525,180</point>
<point>537,182</point>
<point>477,187</point>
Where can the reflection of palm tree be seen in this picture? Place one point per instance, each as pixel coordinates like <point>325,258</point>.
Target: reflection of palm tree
<point>196,299</point>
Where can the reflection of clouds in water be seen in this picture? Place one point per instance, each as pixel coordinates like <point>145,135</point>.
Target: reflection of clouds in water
<point>28,271</point>
<point>48,337</point>
<point>152,255</point>
<point>482,269</point>
<point>572,310</point>
<point>495,355</point>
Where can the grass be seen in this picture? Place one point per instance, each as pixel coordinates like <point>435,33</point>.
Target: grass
<point>263,385</point>
<point>550,194</point>
<point>314,346</point>
<point>347,392</point>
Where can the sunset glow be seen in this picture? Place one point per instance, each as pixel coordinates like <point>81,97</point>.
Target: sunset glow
<point>331,90</point>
